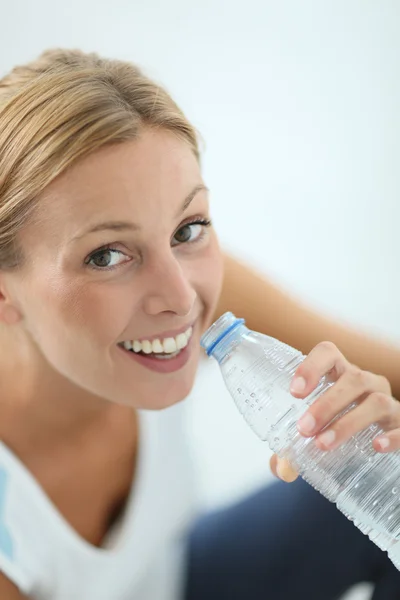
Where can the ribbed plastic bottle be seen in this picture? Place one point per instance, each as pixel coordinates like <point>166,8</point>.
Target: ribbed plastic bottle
<point>364,484</point>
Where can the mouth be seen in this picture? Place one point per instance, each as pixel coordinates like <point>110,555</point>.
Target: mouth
<point>161,348</point>
<point>164,355</point>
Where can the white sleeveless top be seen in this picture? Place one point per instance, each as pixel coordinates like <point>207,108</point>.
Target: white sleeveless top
<point>143,557</point>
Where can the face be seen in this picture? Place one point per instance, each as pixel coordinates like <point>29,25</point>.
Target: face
<point>123,272</point>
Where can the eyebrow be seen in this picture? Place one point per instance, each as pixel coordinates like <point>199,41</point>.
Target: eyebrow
<point>129,225</point>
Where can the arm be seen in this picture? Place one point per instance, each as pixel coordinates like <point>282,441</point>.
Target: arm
<point>269,310</point>
<point>8,591</point>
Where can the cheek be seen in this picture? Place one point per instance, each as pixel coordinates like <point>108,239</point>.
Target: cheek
<point>209,276</point>
<point>81,314</point>
<point>76,329</point>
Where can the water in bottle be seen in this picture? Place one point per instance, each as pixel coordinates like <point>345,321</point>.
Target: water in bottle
<point>258,370</point>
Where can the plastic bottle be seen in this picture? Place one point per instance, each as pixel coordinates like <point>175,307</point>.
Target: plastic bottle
<point>258,370</point>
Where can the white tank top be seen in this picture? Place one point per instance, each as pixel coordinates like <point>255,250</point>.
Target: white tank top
<point>143,556</point>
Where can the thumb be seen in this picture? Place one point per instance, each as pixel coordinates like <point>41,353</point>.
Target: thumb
<point>281,468</point>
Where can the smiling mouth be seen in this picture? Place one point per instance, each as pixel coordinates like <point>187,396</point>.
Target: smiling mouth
<point>160,348</point>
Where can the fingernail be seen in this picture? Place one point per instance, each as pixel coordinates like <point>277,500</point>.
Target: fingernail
<point>298,385</point>
<point>384,442</point>
<point>327,438</point>
<point>306,424</point>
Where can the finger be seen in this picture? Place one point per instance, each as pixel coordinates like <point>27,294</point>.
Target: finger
<point>273,463</point>
<point>285,471</point>
<point>389,442</point>
<point>324,359</point>
<point>353,386</point>
<point>376,408</point>
<point>282,469</point>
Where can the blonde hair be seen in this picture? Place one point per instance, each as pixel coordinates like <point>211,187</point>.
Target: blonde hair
<point>59,108</point>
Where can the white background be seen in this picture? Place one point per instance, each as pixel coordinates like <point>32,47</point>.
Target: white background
<point>298,104</point>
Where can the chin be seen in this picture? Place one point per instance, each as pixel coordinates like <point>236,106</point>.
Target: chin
<point>154,397</point>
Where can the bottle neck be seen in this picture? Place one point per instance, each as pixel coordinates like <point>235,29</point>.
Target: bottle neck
<point>223,336</point>
<point>228,342</point>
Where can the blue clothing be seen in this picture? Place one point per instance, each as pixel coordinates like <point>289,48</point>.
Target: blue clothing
<point>286,542</point>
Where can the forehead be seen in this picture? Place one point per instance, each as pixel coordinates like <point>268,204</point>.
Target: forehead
<point>128,180</point>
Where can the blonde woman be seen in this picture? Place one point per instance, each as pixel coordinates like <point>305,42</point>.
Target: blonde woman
<point>109,272</point>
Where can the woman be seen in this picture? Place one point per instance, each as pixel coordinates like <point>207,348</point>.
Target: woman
<point>109,272</point>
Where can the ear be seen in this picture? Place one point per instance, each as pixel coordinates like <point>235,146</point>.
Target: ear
<point>9,312</point>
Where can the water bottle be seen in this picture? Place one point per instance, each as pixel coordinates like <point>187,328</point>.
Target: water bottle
<point>364,484</point>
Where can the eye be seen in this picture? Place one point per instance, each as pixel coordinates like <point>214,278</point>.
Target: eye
<point>190,232</point>
<point>107,258</point>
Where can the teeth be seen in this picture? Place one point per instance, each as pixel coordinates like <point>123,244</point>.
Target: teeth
<point>167,356</point>
<point>137,346</point>
<point>157,347</point>
<point>181,341</point>
<point>147,347</point>
<point>168,346</point>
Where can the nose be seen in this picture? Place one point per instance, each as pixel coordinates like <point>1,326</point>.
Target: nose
<point>169,288</point>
